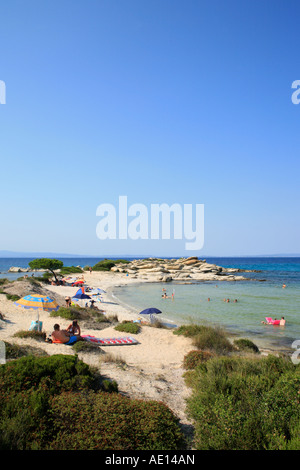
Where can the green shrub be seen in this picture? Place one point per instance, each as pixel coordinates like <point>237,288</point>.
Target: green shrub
<point>38,335</point>
<point>86,346</point>
<point>112,422</point>
<point>109,386</point>
<point>246,345</point>
<point>12,297</point>
<point>60,372</point>
<point>243,403</point>
<point>14,351</point>
<point>213,339</point>
<point>65,312</point>
<point>105,265</point>
<point>26,386</point>
<point>194,358</point>
<point>188,330</point>
<point>70,270</point>
<point>128,327</point>
<point>49,404</point>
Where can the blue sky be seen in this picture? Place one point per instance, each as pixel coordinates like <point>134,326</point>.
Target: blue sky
<point>164,101</point>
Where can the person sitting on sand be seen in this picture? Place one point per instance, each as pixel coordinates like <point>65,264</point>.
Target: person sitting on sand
<point>63,336</point>
<point>74,329</point>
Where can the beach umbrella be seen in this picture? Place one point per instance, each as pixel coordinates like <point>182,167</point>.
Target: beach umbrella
<point>150,311</point>
<point>97,291</point>
<point>80,294</point>
<point>70,280</point>
<point>37,302</point>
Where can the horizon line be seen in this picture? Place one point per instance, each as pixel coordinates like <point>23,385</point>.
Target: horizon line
<point>16,254</point>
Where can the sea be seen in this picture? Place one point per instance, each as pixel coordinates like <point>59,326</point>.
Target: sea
<point>261,295</point>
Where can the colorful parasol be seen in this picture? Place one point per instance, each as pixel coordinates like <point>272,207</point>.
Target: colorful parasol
<point>37,302</point>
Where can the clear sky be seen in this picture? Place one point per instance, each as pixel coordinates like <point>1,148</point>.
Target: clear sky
<point>164,101</point>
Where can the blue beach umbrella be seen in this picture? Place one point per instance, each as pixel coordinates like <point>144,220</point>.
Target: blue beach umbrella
<point>80,294</point>
<point>150,311</point>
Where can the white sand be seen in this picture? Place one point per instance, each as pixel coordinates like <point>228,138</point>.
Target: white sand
<point>153,367</point>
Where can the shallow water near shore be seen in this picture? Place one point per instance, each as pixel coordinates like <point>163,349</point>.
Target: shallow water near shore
<point>255,301</point>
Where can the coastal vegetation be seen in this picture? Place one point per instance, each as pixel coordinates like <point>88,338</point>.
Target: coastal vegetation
<point>107,264</point>
<point>241,403</point>
<point>241,400</point>
<point>48,264</point>
<point>128,327</point>
<point>57,403</point>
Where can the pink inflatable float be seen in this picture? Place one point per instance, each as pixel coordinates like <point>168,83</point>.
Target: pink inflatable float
<point>270,321</point>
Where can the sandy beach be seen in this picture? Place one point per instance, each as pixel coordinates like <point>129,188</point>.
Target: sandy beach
<point>153,367</point>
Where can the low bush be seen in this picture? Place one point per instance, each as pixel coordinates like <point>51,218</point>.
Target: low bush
<point>194,358</point>
<point>207,338</point>
<point>128,327</point>
<point>61,372</point>
<point>241,403</point>
<point>107,264</point>
<point>12,297</point>
<point>213,339</point>
<point>188,330</point>
<point>37,335</point>
<point>14,351</point>
<point>112,422</point>
<point>70,270</point>
<point>52,404</point>
<point>246,345</point>
<point>109,386</point>
<point>66,312</point>
<point>86,346</point>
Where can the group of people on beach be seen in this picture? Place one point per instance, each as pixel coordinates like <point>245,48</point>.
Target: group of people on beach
<point>68,336</point>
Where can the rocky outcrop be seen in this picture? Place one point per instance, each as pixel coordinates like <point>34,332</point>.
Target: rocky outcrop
<point>183,269</point>
<point>16,269</point>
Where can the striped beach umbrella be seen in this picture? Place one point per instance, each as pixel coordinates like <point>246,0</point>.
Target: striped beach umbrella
<point>37,302</point>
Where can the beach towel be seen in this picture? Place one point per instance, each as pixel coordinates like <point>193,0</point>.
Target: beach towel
<point>110,341</point>
<point>72,340</point>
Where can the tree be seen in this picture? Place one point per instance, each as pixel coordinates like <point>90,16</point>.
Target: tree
<point>46,263</point>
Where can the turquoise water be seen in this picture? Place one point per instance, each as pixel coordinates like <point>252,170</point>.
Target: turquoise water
<point>255,301</point>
